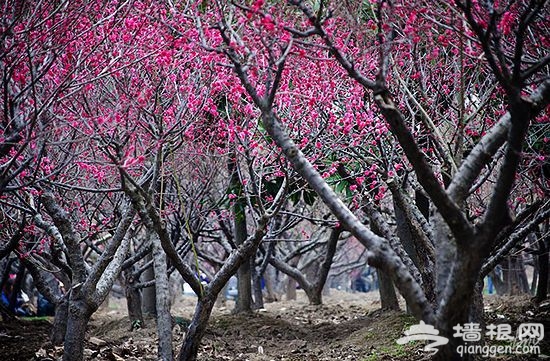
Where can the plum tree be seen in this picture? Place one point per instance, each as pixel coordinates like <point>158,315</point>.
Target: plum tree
<point>260,58</point>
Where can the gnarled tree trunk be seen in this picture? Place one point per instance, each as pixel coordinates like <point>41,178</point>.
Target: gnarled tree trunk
<point>78,317</point>
<point>59,327</point>
<point>196,329</point>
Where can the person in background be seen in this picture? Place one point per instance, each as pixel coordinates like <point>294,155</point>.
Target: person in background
<point>21,306</point>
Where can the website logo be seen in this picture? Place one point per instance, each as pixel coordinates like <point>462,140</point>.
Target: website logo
<point>525,341</point>
<point>424,332</point>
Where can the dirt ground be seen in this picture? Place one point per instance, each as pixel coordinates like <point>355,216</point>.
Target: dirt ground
<point>349,326</point>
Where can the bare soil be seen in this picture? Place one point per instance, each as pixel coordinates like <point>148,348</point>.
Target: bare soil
<point>20,339</point>
<point>349,326</point>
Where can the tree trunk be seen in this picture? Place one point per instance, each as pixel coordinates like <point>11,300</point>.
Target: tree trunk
<point>196,329</point>
<point>220,299</point>
<point>404,234</point>
<point>148,293</point>
<point>501,287</point>
<point>314,295</point>
<point>269,276</point>
<point>542,258</point>
<point>324,267</point>
<point>522,275</point>
<point>290,288</point>
<point>445,251</point>
<point>388,297</point>
<point>476,308</point>
<point>416,249</point>
<point>514,276</point>
<point>460,295</point>
<point>207,300</point>
<point>448,352</point>
<point>79,315</point>
<point>244,277</point>
<point>133,299</point>
<point>257,287</point>
<point>164,320</point>
<point>423,203</point>
<point>59,327</point>
<point>244,286</point>
<point>536,271</point>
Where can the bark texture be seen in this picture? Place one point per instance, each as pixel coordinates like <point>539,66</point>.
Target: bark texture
<point>164,320</point>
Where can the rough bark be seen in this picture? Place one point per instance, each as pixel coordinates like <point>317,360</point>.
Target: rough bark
<point>79,316</point>
<point>413,224</point>
<point>257,286</point>
<point>476,308</point>
<point>149,305</point>
<point>244,276</point>
<point>71,238</point>
<point>59,326</point>
<point>195,331</point>
<point>388,297</point>
<point>458,296</point>
<point>445,250</point>
<point>164,320</point>
<point>421,252</point>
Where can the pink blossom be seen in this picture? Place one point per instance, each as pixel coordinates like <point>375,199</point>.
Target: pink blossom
<point>257,5</point>
<point>267,23</point>
<point>164,58</point>
<point>506,23</point>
